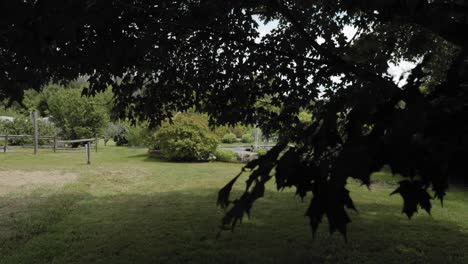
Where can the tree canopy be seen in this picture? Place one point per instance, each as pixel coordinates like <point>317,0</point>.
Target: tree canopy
<point>166,56</point>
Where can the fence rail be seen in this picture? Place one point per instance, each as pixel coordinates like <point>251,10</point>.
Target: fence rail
<point>44,147</point>
<point>57,143</point>
<point>77,140</point>
<point>25,136</point>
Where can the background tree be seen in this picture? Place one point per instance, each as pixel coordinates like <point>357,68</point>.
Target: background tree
<point>120,137</point>
<point>174,55</point>
<point>112,130</point>
<point>76,117</point>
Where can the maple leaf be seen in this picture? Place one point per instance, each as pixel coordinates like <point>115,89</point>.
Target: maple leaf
<point>414,195</point>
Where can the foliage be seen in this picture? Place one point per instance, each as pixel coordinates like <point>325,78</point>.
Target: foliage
<point>220,131</point>
<point>225,155</point>
<point>260,151</point>
<point>305,117</point>
<point>247,138</point>
<point>120,136</point>
<point>76,116</point>
<point>12,109</point>
<point>209,55</point>
<point>229,138</point>
<point>126,134</point>
<point>36,101</point>
<point>139,135</point>
<point>187,138</point>
<point>239,130</point>
<point>24,126</point>
<point>111,131</point>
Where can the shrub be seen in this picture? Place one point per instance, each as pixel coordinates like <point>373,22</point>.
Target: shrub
<point>46,128</point>
<point>247,138</point>
<point>188,138</point>
<point>229,138</point>
<point>239,130</point>
<point>138,135</point>
<point>260,151</point>
<point>220,131</point>
<point>20,126</point>
<point>125,134</point>
<point>24,126</point>
<point>225,155</point>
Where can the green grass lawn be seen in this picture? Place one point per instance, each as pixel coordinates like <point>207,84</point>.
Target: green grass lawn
<point>128,208</point>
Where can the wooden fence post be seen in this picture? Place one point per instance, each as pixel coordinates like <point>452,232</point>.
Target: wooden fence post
<point>96,141</point>
<point>36,139</point>
<point>88,153</point>
<point>55,143</point>
<point>6,144</point>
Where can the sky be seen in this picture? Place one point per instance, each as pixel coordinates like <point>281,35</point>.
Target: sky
<point>400,71</point>
<point>268,27</point>
<point>394,70</point>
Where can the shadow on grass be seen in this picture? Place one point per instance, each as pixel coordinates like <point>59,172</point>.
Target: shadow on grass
<point>148,158</point>
<point>181,227</point>
<point>140,156</point>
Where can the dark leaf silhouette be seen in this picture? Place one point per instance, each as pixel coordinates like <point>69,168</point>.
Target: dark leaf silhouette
<point>413,195</point>
<point>330,203</point>
<point>255,188</point>
<point>224,193</point>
